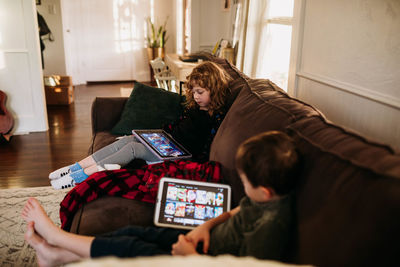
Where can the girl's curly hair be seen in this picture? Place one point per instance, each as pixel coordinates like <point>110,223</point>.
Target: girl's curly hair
<point>212,77</point>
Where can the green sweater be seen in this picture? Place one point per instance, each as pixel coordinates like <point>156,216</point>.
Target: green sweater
<point>261,230</point>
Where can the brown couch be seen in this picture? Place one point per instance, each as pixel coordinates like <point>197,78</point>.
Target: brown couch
<point>348,198</point>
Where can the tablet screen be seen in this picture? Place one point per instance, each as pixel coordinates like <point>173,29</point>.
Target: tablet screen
<point>164,146</point>
<point>189,205</point>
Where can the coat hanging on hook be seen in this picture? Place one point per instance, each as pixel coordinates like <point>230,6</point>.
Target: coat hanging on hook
<point>43,31</point>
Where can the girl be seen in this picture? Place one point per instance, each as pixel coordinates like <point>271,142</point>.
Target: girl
<point>207,88</point>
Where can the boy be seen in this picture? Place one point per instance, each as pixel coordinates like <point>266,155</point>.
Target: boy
<point>259,227</point>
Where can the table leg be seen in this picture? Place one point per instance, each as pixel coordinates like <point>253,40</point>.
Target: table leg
<point>180,87</point>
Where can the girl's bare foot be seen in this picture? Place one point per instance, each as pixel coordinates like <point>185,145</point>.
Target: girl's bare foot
<point>44,226</point>
<point>46,254</point>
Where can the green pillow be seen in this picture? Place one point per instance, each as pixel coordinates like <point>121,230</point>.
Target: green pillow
<point>148,108</point>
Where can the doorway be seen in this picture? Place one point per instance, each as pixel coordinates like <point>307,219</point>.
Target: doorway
<point>104,40</point>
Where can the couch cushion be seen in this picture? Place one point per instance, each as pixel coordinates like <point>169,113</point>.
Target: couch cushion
<point>100,140</point>
<point>235,86</point>
<point>348,203</point>
<point>106,112</point>
<point>260,106</point>
<point>148,108</point>
<point>108,214</point>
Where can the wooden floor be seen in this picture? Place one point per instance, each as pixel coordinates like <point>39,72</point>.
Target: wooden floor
<point>27,160</point>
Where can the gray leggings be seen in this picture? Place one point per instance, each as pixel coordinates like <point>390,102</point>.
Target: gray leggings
<point>122,152</point>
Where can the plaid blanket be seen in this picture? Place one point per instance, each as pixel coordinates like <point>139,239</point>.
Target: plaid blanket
<point>139,184</point>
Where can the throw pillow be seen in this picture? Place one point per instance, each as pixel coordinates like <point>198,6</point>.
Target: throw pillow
<point>148,108</point>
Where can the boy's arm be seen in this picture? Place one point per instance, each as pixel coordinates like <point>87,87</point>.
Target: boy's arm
<point>210,224</point>
<point>202,232</point>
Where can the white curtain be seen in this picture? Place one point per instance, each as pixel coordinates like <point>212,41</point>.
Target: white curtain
<point>268,40</point>
<point>253,37</point>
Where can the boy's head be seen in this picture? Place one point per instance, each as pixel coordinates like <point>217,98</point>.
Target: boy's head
<point>212,77</point>
<point>269,160</point>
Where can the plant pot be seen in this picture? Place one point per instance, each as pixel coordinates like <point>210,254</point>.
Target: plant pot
<point>159,52</point>
<point>150,54</point>
<point>155,52</point>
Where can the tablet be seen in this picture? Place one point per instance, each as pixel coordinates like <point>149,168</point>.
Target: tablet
<point>186,204</point>
<point>163,146</point>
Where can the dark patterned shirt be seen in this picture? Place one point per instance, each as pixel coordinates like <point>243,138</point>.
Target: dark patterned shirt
<point>195,130</point>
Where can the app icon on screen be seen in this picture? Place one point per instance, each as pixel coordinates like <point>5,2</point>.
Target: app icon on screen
<point>209,212</point>
<point>171,193</point>
<point>189,210</point>
<point>191,196</point>
<point>200,211</point>
<point>181,194</point>
<point>219,200</point>
<point>180,209</point>
<point>170,208</point>
<point>218,211</point>
<point>210,198</point>
<point>201,197</point>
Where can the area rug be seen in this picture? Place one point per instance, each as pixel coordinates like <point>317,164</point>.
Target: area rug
<point>14,251</point>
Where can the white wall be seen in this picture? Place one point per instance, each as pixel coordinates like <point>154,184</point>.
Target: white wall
<point>349,64</point>
<point>21,79</point>
<point>54,56</point>
<point>164,9</point>
<point>209,24</point>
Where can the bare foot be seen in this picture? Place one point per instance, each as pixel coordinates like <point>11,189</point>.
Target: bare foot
<point>40,245</point>
<point>44,226</point>
<point>46,254</point>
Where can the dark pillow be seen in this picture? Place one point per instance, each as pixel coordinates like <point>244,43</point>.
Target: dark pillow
<point>148,108</point>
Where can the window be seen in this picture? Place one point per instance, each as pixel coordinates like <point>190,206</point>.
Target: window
<point>268,54</point>
<point>183,26</point>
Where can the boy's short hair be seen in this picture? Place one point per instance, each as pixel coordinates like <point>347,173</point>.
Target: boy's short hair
<point>269,159</point>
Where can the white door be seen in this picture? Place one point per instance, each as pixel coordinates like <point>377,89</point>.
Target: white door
<point>104,39</point>
<point>21,76</point>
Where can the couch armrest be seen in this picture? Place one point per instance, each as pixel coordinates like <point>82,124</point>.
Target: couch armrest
<point>106,112</point>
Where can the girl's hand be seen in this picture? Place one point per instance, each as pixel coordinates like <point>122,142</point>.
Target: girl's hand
<point>183,247</point>
<point>200,233</point>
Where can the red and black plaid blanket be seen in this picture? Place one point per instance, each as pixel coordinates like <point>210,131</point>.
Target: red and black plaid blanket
<point>140,184</point>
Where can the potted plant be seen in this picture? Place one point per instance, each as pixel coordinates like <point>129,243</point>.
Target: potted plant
<point>156,39</point>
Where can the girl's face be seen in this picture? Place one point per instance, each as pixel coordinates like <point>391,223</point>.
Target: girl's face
<point>201,96</point>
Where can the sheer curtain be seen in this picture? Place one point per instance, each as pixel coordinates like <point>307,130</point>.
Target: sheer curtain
<point>268,40</point>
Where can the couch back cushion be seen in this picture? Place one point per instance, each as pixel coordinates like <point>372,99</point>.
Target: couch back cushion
<point>348,202</point>
<point>232,71</point>
<point>260,106</point>
<point>148,108</point>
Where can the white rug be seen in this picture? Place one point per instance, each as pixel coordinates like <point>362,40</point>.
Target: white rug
<point>192,261</point>
<point>14,251</point>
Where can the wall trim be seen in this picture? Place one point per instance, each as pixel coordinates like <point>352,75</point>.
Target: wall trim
<point>352,89</point>
<point>207,44</point>
<point>296,46</point>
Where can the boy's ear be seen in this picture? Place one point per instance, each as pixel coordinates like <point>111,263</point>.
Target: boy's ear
<point>268,193</point>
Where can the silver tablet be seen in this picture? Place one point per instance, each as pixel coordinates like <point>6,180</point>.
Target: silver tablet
<point>163,146</point>
<point>186,204</point>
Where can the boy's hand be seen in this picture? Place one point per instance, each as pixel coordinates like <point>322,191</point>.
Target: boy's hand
<point>183,247</point>
<point>200,233</point>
